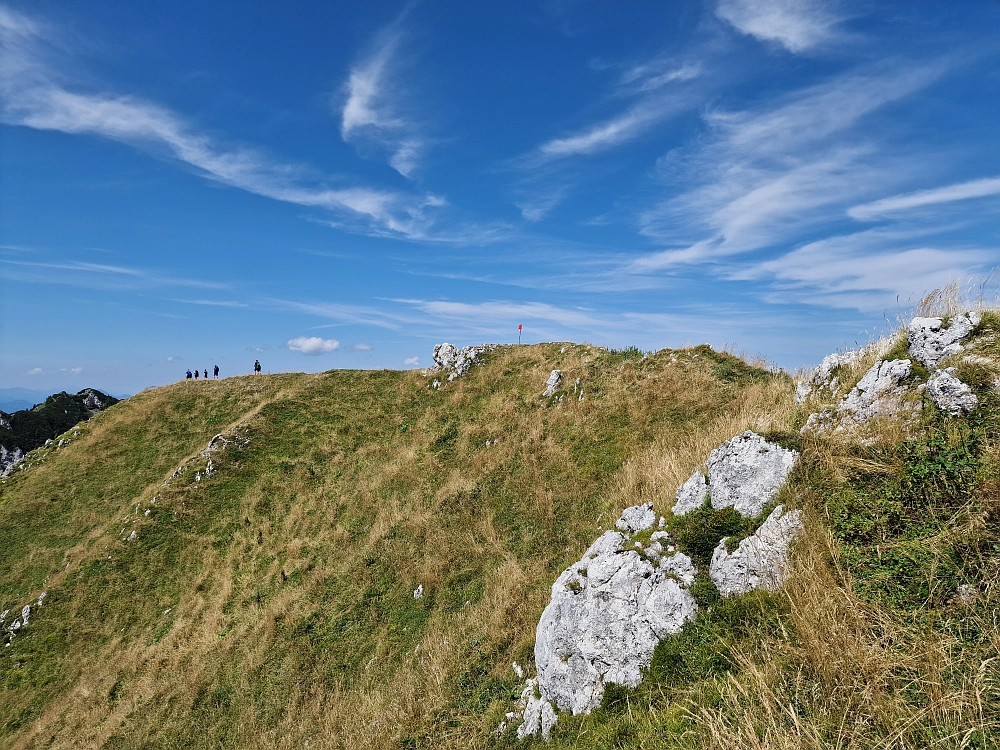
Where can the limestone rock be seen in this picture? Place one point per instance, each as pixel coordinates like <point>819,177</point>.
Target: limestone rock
<point>5,422</point>
<point>607,613</point>
<point>449,358</point>
<point>691,495</point>
<point>539,716</point>
<point>877,393</point>
<point>746,473</point>
<point>760,560</point>
<point>930,341</point>
<point>822,378</point>
<point>555,378</point>
<point>637,518</point>
<point>9,459</point>
<point>950,394</point>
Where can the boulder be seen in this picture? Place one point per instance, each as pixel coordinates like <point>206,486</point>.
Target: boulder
<point>607,613</point>
<point>930,341</point>
<point>9,459</point>
<point>950,394</point>
<point>746,473</point>
<point>539,716</point>
<point>555,378</point>
<point>760,560</point>
<point>691,495</point>
<point>637,518</point>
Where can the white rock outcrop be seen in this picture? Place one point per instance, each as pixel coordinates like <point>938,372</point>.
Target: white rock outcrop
<point>637,518</point>
<point>9,459</point>
<point>822,378</point>
<point>746,473</point>
<point>878,394</point>
<point>950,394</point>
<point>691,495</point>
<point>555,378</point>
<point>930,341</point>
<point>449,358</point>
<point>607,613</point>
<point>539,716</point>
<point>761,560</point>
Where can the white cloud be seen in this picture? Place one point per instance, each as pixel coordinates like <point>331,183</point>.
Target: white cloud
<point>412,361</point>
<point>947,194</point>
<point>865,270</point>
<point>765,175</point>
<point>35,371</point>
<point>31,97</point>
<point>621,128</point>
<point>362,347</point>
<point>797,25</point>
<point>313,345</point>
<point>374,108</point>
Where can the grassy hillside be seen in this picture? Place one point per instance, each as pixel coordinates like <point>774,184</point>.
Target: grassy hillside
<point>271,603</point>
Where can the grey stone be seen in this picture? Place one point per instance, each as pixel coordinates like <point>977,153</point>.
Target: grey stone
<point>418,592</point>
<point>9,459</point>
<point>930,341</point>
<point>449,358</point>
<point>878,394</point>
<point>539,716</point>
<point>746,473</point>
<point>822,377</point>
<point>691,495</point>
<point>637,518</point>
<point>950,394</point>
<point>607,613</point>
<point>25,613</point>
<point>5,423</point>
<point>555,378</point>
<point>760,560</point>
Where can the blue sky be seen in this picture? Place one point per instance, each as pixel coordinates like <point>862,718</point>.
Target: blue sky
<point>319,185</point>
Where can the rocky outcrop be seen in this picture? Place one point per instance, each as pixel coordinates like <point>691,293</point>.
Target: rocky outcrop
<point>822,378</point>
<point>539,716</point>
<point>456,362</point>
<point>5,421</point>
<point>879,393</point>
<point>555,378</point>
<point>930,341</point>
<point>691,495</point>
<point>761,560</point>
<point>950,394</point>
<point>10,629</point>
<point>9,459</point>
<point>745,473</point>
<point>607,613</point>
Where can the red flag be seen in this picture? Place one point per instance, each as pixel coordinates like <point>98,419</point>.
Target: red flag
<point>520,327</point>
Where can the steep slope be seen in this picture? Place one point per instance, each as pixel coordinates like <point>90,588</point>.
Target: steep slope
<point>265,596</point>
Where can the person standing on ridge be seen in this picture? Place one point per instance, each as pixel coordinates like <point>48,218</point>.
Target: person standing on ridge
<point>206,374</point>
<point>188,374</point>
<point>196,373</point>
<point>216,372</point>
<point>256,367</point>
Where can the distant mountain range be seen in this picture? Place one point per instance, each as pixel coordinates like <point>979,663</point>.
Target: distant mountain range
<point>16,399</point>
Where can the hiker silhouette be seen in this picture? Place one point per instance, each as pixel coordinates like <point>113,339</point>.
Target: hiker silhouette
<point>216,371</point>
<point>188,375</point>
<point>256,366</point>
<point>206,374</point>
<point>195,374</point>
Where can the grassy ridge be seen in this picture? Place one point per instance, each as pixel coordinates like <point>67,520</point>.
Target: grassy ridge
<point>272,603</point>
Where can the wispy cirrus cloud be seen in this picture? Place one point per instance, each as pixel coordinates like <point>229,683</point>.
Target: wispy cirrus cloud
<point>981,188</point>
<point>863,269</point>
<point>765,175</point>
<point>98,275</point>
<point>375,110</point>
<point>796,25</point>
<point>35,93</point>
